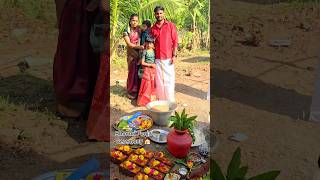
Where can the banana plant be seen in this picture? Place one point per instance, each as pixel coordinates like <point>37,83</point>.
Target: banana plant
<point>121,11</point>
<point>237,172</point>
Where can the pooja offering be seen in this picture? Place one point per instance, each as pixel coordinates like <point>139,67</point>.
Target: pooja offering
<point>141,176</point>
<point>153,173</point>
<point>142,151</point>
<point>117,156</point>
<point>129,168</point>
<point>126,149</point>
<point>138,159</point>
<point>172,176</point>
<point>160,166</point>
<point>132,123</point>
<point>161,157</point>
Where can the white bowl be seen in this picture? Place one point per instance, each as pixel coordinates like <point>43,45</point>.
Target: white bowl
<point>161,118</point>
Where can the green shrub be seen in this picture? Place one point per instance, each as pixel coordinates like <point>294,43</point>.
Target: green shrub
<point>236,172</point>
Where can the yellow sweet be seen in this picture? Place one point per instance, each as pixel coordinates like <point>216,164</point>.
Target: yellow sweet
<point>142,151</point>
<point>140,176</point>
<point>126,148</point>
<point>141,157</point>
<point>147,170</point>
<point>145,177</point>
<point>155,172</point>
<point>155,163</point>
<point>134,157</point>
<point>127,163</point>
<point>120,148</point>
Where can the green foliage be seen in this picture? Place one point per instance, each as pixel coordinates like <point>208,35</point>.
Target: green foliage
<point>35,9</point>
<point>183,122</point>
<point>237,172</point>
<point>183,13</point>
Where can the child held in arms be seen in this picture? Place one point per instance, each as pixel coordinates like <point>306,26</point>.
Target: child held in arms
<point>145,29</point>
<point>147,87</point>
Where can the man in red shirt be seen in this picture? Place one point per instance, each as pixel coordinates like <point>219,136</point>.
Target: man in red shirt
<point>166,45</point>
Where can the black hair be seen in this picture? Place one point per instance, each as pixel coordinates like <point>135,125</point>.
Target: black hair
<point>149,39</point>
<point>158,8</point>
<point>132,16</point>
<point>147,23</point>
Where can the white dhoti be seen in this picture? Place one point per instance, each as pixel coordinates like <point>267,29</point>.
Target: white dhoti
<point>315,106</point>
<point>165,80</point>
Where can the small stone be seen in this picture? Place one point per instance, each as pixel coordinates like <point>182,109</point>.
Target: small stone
<point>188,74</point>
<point>238,137</point>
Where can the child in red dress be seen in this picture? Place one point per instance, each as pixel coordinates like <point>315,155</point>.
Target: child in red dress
<point>147,87</point>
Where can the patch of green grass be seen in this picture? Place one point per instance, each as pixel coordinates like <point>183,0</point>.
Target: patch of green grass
<point>5,105</point>
<point>299,4</point>
<point>35,9</point>
<point>119,62</point>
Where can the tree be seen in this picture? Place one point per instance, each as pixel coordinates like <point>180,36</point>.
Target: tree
<point>121,11</point>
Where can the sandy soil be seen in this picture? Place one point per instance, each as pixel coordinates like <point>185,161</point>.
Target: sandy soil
<point>33,140</point>
<point>265,92</point>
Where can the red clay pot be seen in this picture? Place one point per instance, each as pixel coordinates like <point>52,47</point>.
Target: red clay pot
<point>179,143</point>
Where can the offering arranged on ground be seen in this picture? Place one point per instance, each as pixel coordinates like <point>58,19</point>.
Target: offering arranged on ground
<point>141,163</point>
<point>117,156</point>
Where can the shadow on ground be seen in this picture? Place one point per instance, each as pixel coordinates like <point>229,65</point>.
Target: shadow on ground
<point>118,90</point>
<point>36,94</point>
<point>24,163</point>
<point>197,59</point>
<point>182,88</point>
<point>258,94</point>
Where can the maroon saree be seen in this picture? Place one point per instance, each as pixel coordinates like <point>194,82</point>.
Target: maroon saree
<point>75,65</point>
<point>133,68</point>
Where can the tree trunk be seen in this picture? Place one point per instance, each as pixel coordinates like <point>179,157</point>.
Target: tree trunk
<point>115,16</point>
<point>208,33</point>
<point>113,49</point>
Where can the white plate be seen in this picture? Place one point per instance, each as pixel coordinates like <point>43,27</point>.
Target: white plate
<point>162,132</point>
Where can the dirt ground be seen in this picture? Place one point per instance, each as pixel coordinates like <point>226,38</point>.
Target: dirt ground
<point>33,140</point>
<point>265,92</point>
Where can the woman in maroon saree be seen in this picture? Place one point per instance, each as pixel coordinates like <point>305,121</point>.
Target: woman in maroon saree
<point>132,37</point>
<point>98,125</point>
<point>75,65</point>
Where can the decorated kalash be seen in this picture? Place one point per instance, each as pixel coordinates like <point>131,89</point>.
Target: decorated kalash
<point>157,145</point>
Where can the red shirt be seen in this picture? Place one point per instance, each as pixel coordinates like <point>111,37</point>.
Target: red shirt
<point>166,39</point>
